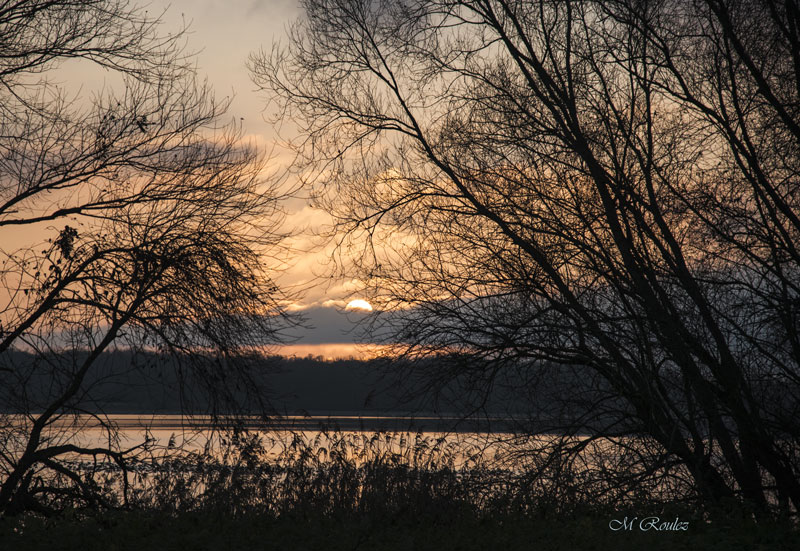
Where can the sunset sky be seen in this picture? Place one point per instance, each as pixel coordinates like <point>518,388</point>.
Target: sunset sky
<point>223,34</point>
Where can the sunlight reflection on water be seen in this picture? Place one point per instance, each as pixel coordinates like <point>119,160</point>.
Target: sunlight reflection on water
<point>388,434</point>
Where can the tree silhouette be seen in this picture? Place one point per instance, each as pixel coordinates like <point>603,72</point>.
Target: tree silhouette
<point>157,216</point>
<point>601,195</point>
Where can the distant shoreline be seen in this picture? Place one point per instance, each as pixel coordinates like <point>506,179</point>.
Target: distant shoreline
<point>345,421</point>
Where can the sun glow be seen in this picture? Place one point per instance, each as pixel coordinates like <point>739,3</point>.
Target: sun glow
<point>359,304</point>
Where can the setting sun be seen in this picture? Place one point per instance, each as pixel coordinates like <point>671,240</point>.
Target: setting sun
<point>359,304</point>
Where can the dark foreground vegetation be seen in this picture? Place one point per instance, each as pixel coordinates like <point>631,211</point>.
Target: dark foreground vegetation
<point>206,530</point>
<point>374,491</point>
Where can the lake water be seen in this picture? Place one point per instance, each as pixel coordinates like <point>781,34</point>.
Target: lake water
<point>397,434</point>
<point>422,441</point>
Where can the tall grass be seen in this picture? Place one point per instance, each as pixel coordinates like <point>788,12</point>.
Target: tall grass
<point>401,491</point>
<point>380,474</point>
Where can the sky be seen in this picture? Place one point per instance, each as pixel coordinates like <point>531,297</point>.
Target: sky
<point>223,34</point>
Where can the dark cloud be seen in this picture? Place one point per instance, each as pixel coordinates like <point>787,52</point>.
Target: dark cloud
<point>329,325</point>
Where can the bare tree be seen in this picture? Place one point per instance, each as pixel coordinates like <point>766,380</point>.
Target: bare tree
<point>158,219</point>
<point>603,194</point>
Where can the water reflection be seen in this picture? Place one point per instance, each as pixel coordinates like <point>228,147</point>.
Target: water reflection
<point>462,438</point>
